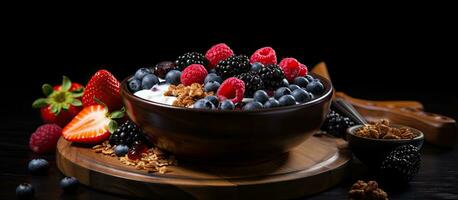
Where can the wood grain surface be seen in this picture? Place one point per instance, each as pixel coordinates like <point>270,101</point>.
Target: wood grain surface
<point>316,165</point>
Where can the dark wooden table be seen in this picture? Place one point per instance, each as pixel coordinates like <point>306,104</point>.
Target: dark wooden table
<point>437,179</point>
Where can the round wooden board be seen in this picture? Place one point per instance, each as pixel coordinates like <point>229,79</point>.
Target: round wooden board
<point>314,166</point>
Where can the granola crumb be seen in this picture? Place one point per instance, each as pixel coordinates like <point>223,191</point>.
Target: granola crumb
<point>187,95</point>
<point>366,191</point>
<point>153,161</point>
<point>383,130</point>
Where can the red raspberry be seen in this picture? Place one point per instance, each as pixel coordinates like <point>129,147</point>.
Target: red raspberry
<point>44,139</point>
<point>303,71</point>
<point>233,89</point>
<point>217,53</point>
<point>265,55</point>
<point>194,73</point>
<point>290,67</point>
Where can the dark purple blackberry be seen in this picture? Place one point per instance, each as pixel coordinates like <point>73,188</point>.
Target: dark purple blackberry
<point>233,66</point>
<point>400,166</point>
<point>272,76</point>
<point>336,124</point>
<point>128,134</point>
<point>162,68</point>
<point>252,81</point>
<point>190,58</point>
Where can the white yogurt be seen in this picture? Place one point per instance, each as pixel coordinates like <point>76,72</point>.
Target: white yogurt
<point>156,94</point>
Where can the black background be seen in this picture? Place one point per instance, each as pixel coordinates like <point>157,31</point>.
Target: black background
<point>380,52</point>
<point>387,54</point>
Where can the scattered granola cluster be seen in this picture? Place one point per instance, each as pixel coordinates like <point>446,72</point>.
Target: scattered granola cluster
<point>366,191</point>
<point>187,95</point>
<point>154,160</point>
<point>382,130</point>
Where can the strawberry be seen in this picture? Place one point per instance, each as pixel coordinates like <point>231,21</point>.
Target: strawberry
<point>105,87</point>
<point>92,125</point>
<point>62,102</point>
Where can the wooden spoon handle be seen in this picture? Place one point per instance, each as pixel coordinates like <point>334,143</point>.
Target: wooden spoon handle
<point>438,129</point>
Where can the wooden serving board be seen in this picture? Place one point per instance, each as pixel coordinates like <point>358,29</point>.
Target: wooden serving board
<point>316,165</point>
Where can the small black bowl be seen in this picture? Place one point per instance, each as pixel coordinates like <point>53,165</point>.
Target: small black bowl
<point>372,151</point>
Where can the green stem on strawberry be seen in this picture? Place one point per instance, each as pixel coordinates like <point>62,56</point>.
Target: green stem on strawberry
<point>61,102</point>
<point>118,114</point>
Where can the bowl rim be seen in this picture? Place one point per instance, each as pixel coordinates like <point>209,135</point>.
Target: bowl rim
<point>326,94</point>
<point>352,129</point>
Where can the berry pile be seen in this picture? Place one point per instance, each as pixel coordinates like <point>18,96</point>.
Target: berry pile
<point>249,83</point>
<point>128,134</point>
<point>336,124</point>
<point>400,166</point>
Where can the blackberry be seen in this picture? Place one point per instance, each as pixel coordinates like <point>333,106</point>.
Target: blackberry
<point>190,58</point>
<point>252,81</point>
<point>128,134</point>
<point>400,166</point>
<point>161,69</point>
<point>336,124</point>
<point>233,66</point>
<point>272,76</point>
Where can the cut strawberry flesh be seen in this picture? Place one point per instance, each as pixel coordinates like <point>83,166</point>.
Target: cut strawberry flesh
<point>89,126</point>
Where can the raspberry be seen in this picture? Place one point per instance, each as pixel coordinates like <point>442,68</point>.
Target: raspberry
<point>218,53</point>
<point>303,70</point>
<point>290,67</point>
<point>232,89</point>
<point>265,55</point>
<point>194,73</point>
<point>44,139</point>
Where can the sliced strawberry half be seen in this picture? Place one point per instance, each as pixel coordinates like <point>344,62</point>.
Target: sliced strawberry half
<point>92,125</point>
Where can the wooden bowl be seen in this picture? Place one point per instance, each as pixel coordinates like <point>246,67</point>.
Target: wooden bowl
<point>227,135</point>
<point>372,151</point>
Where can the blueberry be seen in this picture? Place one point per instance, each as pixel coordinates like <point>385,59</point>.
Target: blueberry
<point>300,95</point>
<point>25,191</point>
<point>173,77</point>
<point>285,82</point>
<point>309,78</point>
<point>134,85</point>
<point>149,81</point>
<point>254,105</point>
<point>212,99</point>
<point>38,166</point>
<point>261,96</point>
<point>271,103</point>
<point>204,104</point>
<point>121,150</point>
<point>213,77</point>
<point>256,67</point>
<point>212,71</point>
<point>142,72</point>
<point>281,92</point>
<point>211,86</point>
<point>227,105</point>
<point>315,87</point>
<point>287,100</point>
<point>293,87</point>
<point>69,184</point>
<point>301,81</point>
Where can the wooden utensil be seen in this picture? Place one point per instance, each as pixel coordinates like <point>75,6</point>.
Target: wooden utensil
<point>438,129</point>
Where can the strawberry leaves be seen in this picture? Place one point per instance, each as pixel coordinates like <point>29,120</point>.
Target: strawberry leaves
<point>66,84</point>
<point>60,97</point>
<point>47,89</point>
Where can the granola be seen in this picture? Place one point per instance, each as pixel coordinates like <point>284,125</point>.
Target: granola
<point>154,160</point>
<point>370,190</point>
<point>383,130</point>
<point>187,95</point>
